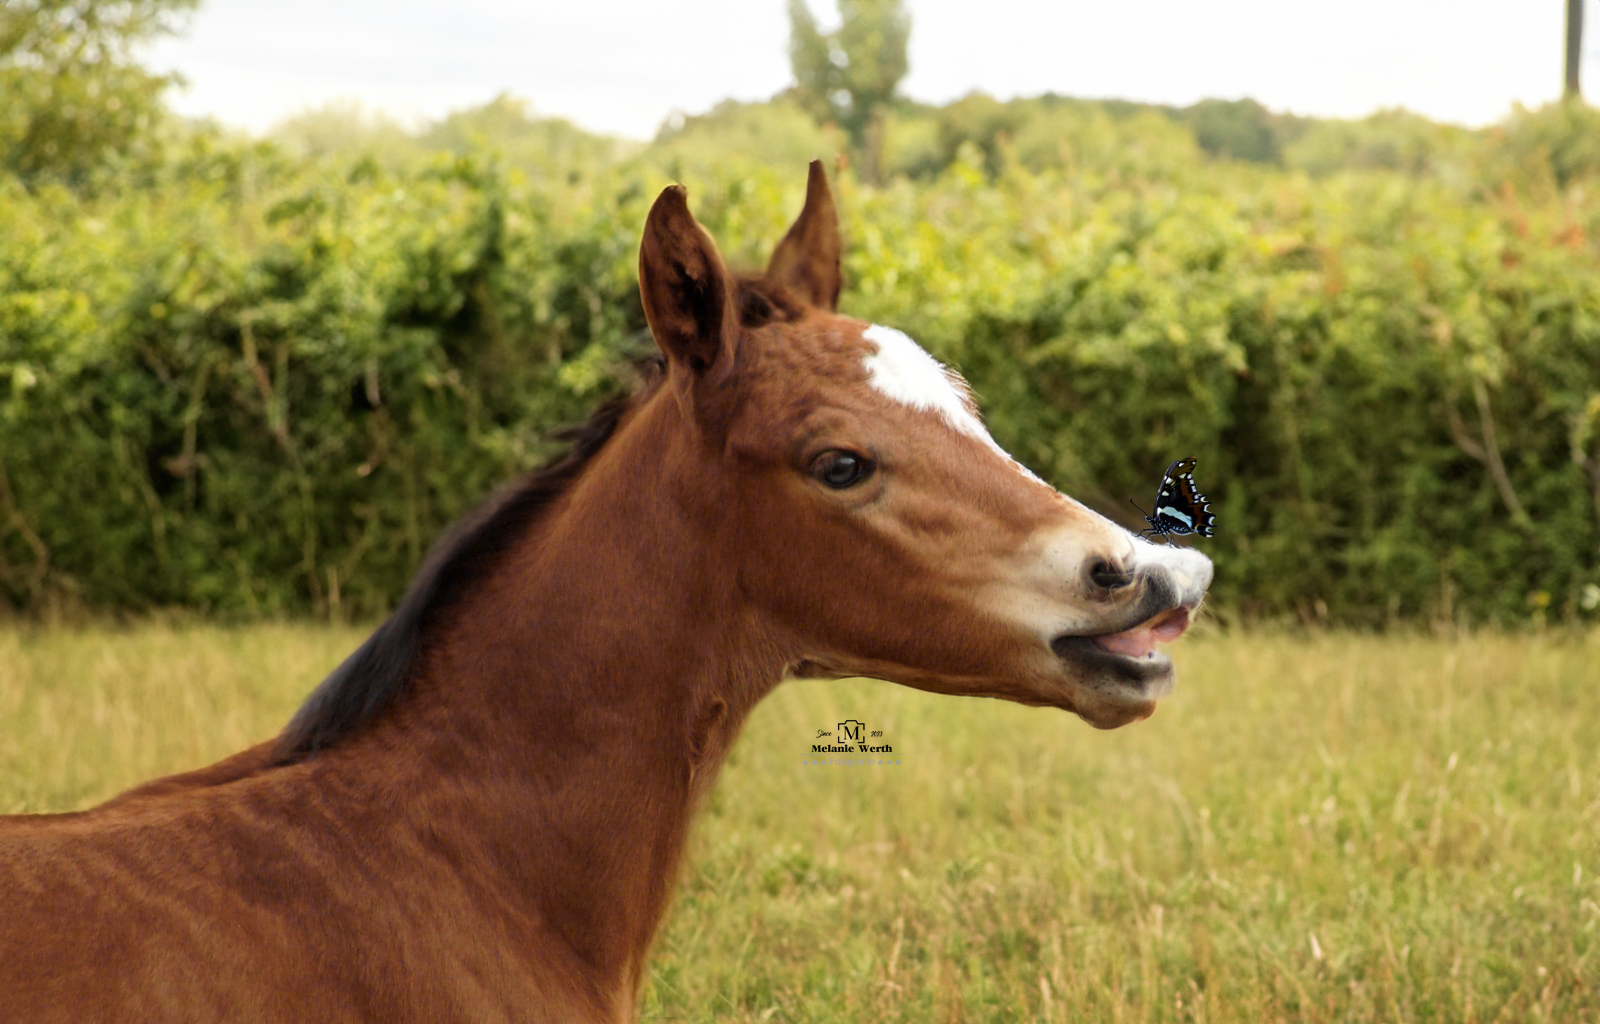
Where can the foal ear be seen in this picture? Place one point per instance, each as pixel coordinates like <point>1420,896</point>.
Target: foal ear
<point>685,287</point>
<point>807,260</point>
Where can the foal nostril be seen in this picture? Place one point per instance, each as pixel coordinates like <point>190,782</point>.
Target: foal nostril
<point>1109,576</point>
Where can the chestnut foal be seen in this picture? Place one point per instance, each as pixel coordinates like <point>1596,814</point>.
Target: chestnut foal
<point>479,815</point>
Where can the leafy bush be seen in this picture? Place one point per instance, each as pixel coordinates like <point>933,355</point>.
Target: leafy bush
<point>1390,140</point>
<point>346,127</point>
<point>779,134</point>
<point>1559,142</point>
<point>1040,134</point>
<point>76,101</point>
<point>271,405</point>
<point>1235,130</point>
<point>253,385</point>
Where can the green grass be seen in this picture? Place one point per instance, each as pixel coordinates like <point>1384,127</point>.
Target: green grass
<point>1336,828</point>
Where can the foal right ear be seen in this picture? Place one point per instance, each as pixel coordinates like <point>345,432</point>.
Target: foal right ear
<point>807,260</point>
<point>685,287</point>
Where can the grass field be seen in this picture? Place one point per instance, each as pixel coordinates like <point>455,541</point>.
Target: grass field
<point>1332,828</point>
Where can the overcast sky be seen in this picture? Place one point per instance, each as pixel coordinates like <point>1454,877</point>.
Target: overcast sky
<point>622,66</point>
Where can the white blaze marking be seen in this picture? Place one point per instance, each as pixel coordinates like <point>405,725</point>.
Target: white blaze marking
<point>904,371</point>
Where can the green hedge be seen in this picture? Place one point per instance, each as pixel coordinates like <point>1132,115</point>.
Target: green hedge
<point>259,387</point>
<point>272,402</point>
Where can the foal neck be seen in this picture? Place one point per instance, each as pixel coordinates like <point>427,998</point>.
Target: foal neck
<point>593,685</point>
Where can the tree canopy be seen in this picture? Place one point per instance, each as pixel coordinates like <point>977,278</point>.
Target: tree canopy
<point>74,93</point>
<point>850,75</point>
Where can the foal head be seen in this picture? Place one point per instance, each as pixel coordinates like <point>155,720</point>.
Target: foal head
<point>872,525</point>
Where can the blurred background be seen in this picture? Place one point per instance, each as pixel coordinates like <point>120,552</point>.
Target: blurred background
<point>620,67</point>
<point>286,287</point>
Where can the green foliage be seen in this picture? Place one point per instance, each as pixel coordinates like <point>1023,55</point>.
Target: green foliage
<point>1074,135</point>
<point>981,121</point>
<point>1047,133</point>
<point>777,135</point>
<point>274,403</point>
<point>912,146</point>
<point>1321,348</point>
<point>249,383</point>
<point>1078,137</point>
<point>1559,142</point>
<point>74,97</point>
<point>1235,130</point>
<point>540,146</point>
<point>1390,140</point>
<point>345,128</point>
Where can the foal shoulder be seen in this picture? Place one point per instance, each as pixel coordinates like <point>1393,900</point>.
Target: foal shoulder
<point>245,764</point>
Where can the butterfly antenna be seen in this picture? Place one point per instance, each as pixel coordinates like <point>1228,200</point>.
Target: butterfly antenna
<point>1152,521</point>
<point>1147,518</point>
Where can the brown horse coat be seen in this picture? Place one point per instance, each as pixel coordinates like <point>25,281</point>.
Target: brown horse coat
<point>479,815</point>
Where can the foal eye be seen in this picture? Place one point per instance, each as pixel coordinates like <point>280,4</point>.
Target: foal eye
<point>840,470</point>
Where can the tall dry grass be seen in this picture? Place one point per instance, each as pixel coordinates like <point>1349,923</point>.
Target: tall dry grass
<point>1333,828</point>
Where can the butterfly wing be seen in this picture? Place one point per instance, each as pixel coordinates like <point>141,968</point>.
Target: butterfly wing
<point>1198,506</point>
<point>1180,507</point>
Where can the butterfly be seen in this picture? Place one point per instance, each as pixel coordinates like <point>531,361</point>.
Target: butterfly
<point>1180,507</point>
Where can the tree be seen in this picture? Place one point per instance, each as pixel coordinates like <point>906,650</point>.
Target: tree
<point>1570,86</point>
<point>345,127</point>
<point>510,126</point>
<point>850,75</point>
<point>74,94</point>
<point>1234,130</point>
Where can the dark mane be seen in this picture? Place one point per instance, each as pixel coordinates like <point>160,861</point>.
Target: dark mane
<point>764,302</point>
<point>370,679</point>
<point>378,671</point>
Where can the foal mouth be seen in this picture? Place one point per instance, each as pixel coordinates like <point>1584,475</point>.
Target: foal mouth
<point>1130,655</point>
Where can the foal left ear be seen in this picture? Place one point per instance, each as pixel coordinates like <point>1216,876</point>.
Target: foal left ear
<point>685,287</point>
<point>807,260</point>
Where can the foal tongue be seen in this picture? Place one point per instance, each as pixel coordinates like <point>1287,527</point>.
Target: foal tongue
<point>1141,640</point>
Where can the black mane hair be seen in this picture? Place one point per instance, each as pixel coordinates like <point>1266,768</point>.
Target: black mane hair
<point>764,302</point>
<point>370,679</point>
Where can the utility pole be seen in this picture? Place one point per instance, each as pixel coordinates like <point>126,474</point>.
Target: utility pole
<point>1574,49</point>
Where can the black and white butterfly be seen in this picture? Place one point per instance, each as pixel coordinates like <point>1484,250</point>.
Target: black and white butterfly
<point>1180,507</point>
